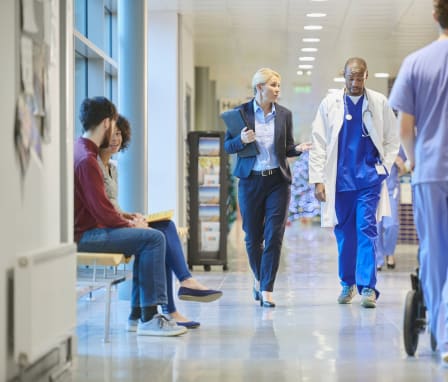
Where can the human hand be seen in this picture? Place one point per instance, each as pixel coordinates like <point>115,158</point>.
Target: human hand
<point>247,135</point>
<point>139,221</point>
<point>305,146</point>
<point>319,192</point>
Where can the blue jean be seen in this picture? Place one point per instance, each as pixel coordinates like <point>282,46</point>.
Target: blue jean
<point>356,235</point>
<point>174,260</point>
<point>148,247</point>
<point>264,202</point>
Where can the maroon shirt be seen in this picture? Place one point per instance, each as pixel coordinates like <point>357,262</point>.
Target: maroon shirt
<point>92,206</point>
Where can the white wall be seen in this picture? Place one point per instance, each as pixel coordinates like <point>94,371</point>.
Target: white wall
<point>163,111</point>
<point>30,205</point>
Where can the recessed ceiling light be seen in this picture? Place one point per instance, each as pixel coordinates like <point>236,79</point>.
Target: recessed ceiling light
<point>300,72</point>
<point>307,58</point>
<point>310,39</point>
<point>308,73</point>
<point>339,79</point>
<point>309,49</point>
<point>316,14</point>
<point>382,75</point>
<point>312,27</point>
<point>306,66</point>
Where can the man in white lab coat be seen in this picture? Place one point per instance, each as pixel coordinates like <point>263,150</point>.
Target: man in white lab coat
<point>355,142</point>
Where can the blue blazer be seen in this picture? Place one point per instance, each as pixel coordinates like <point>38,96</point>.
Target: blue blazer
<point>283,141</point>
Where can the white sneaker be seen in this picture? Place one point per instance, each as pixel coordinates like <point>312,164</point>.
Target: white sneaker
<point>132,325</point>
<point>160,326</point>
<point>368,298</point>
<point>347,294</point>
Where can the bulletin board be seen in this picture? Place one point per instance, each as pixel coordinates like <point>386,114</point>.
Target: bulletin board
<point>36,36</point>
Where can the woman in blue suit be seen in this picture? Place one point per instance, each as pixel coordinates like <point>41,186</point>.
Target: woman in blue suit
<point>264,178</point>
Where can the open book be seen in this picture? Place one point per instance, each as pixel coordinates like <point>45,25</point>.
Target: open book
<point>160,216</point>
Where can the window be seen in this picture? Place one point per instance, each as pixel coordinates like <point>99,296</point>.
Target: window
<point>96,68</point>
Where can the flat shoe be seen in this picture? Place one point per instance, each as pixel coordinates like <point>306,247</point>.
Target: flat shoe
<point>207,295</point>
<point>267,304</point>
<point>189,324</point>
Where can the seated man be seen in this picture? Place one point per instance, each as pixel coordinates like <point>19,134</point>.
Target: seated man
<point>100,228</point>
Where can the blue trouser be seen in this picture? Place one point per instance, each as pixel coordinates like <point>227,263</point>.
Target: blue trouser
<point>356,235</point>
<point>431,220</point>
<point>174,260</point>
<point>388,227</point>
<point>264,202</point>
<point>148,248</point>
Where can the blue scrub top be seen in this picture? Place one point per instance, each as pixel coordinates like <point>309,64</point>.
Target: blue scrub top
<point>357,155</point>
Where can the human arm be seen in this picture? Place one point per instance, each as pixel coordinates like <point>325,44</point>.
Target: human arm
<point>407,135</point>
<point>92,198</point>
<point>391,137</point>
<point>319,192</point>
<point>318,151</point>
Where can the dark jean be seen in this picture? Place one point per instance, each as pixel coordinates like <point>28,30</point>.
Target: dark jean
<point>264,202</point>
<point>148,247</point>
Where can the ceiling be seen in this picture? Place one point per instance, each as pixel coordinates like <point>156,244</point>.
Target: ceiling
<point>236,37</point>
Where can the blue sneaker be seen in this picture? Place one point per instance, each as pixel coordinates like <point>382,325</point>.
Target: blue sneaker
<point>368,298</point>
<point>347,294</point>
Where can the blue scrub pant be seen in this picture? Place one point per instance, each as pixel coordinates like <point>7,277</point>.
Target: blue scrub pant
<point>356,234</point>
<point>388,227</point>
<point>264,202</point>
<point>431,220</point>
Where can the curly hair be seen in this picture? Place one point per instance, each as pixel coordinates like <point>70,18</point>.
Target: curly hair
<point>441,12</point>
<point>125,129</point>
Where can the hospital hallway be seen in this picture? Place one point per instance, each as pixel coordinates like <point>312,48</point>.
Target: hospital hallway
<point>307,337</point>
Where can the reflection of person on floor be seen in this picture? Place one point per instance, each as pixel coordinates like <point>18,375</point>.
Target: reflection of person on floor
<point>420,96</point>
<point>190,289</point>
<point>355,142</point>
<point>388,226</point>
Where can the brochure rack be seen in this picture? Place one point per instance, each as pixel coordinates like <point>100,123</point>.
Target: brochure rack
<point>208,191</point>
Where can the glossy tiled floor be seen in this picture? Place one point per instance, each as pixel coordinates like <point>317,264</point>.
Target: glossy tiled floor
<point>307,337</point>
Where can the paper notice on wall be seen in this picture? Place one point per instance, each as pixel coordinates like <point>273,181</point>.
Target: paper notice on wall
<point>29,16</point>
<point>26,64</point>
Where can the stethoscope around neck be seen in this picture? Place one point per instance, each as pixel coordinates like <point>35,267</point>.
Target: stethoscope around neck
<point>366,112</point>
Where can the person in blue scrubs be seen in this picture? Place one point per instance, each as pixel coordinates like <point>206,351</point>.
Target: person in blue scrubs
<point>264,187</point>
<point>420,94</point>
<point>389,226</point>
<point>355,142</point>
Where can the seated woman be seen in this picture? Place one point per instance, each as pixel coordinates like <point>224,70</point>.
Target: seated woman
<point>190,289</point>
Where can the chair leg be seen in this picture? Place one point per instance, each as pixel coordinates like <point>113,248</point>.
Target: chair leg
<point>107,314</point>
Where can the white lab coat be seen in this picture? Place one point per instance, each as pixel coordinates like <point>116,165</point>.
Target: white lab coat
<point>383,130</point>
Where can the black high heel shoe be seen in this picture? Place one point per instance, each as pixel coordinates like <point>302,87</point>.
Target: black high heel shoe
<point>266,304</point>
<point>390,262</point>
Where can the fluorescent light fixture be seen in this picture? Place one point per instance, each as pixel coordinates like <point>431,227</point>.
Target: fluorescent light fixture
<point>319,1</point>
<point>309,49</point>
<point>382,75</point>
<point>307,59</point>
<point>309,72</point>
<point>312,27</point>
<point>339,79</point>
<point>310,39</point>
<point>305,66</point>
<point>300,72</point>
<point>316,14</point>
